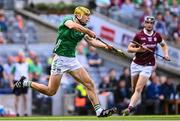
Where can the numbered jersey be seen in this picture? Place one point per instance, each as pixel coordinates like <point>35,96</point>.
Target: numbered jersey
<point>67,40</point>
<point>147,58</point>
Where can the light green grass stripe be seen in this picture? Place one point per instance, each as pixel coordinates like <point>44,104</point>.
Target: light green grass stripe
<point>90,118</point>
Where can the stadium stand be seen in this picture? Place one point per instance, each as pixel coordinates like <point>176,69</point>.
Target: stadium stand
<point>113,86</point>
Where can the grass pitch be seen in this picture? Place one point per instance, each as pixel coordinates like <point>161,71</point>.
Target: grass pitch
<point>92,118</point>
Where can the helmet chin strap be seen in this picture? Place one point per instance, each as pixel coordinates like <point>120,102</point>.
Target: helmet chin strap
<point>83,24</point>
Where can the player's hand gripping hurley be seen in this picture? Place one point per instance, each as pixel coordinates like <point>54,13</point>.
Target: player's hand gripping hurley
<point>117,51</point>
<point>151,51</point>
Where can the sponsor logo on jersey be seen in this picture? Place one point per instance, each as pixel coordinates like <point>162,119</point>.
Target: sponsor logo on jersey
<point>149,39</point>
<point>155,39</point>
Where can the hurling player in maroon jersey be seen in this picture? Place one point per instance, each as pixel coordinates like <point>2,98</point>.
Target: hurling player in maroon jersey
<point>144,61</point>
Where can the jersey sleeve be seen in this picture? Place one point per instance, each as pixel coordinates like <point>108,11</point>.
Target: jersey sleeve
<point>66,19</point>
<point>136,38</point>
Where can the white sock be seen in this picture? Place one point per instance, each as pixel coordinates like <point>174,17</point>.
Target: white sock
<point>98,109</point>
<point>27,83</point>
<point>98,112</point>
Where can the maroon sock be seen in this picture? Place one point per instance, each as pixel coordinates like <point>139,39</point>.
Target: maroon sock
<point>130,108</point>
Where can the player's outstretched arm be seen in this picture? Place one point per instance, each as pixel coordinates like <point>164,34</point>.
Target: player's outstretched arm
<point>96,43</point>
<point>73,25</point>
<point>165,50</point>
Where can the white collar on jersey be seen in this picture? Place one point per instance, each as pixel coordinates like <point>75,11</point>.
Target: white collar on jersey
<point>145,31</point>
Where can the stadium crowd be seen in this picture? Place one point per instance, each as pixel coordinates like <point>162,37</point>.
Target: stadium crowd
<point>13,29</point>
<point>167,13</point>
<point>113,86</point>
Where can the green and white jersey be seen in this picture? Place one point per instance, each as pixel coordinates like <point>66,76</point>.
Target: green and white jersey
<point>67,40</point>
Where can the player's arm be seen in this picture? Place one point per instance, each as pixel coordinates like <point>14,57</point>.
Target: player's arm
<point>73,25</point>
<point>96,43</point>
<point>164,49</point>
<point>11,78</point>
<point>133,48</point>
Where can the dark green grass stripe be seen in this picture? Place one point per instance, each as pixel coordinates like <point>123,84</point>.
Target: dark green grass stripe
<point>90,118</point>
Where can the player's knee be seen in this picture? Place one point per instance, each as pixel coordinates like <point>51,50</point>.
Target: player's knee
<point>138,89</point>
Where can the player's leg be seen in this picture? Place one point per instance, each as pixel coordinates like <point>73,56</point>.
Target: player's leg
<point>142,80</point>
<point>50,89</point>
<point>144,75</point>
<point>83,77</point>
<point>53,85</point>
<point>139,76</point>
<point>54,79</point>
<point>16,105</point>
<point>134,80</point>
<point>25,104</point>
<point>24,95</point>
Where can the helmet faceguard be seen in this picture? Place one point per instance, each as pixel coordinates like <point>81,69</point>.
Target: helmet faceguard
<point>149,19</point>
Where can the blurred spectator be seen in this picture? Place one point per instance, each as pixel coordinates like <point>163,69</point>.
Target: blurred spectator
<point>163,79</point>
<point>2,39</point>
<point>144,3</point>
<point>8,67</point>
<point>114,10</point>
<point>81,55</point>
<point>30,32</point>
<point>20,21</point>
<point>92,4</point>
<point>154,96</point>
<point>127,9</point>
<point>103,5</point>
<point>175,8</point>
<point>93,58</point>
<point>105,90</point>
<point>168,89</point>
<point>176,35</point>
<point>36,69</point>
<point>117,2</point>
<point>21,68</point>
<point>160,25</point>
<point>126,76</point>
<point>2,75</point>
<point>85,45</point>
<point>112,79</point>
<point>122,94</point>
<point>167,17</point>
<point>104,85</point>
<point>155,4</point>
<point>16,34</point>
<point>173,23</point>
<point>3,26</point>
<point>31,57</point>
<point>81,100</point>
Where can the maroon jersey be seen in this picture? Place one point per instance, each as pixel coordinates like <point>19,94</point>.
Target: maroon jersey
<point>146,58</point>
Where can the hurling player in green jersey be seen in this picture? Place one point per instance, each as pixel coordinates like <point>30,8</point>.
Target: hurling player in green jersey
<point>70,32</point>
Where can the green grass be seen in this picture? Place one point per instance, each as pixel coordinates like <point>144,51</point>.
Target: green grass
<point>91,118</point>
